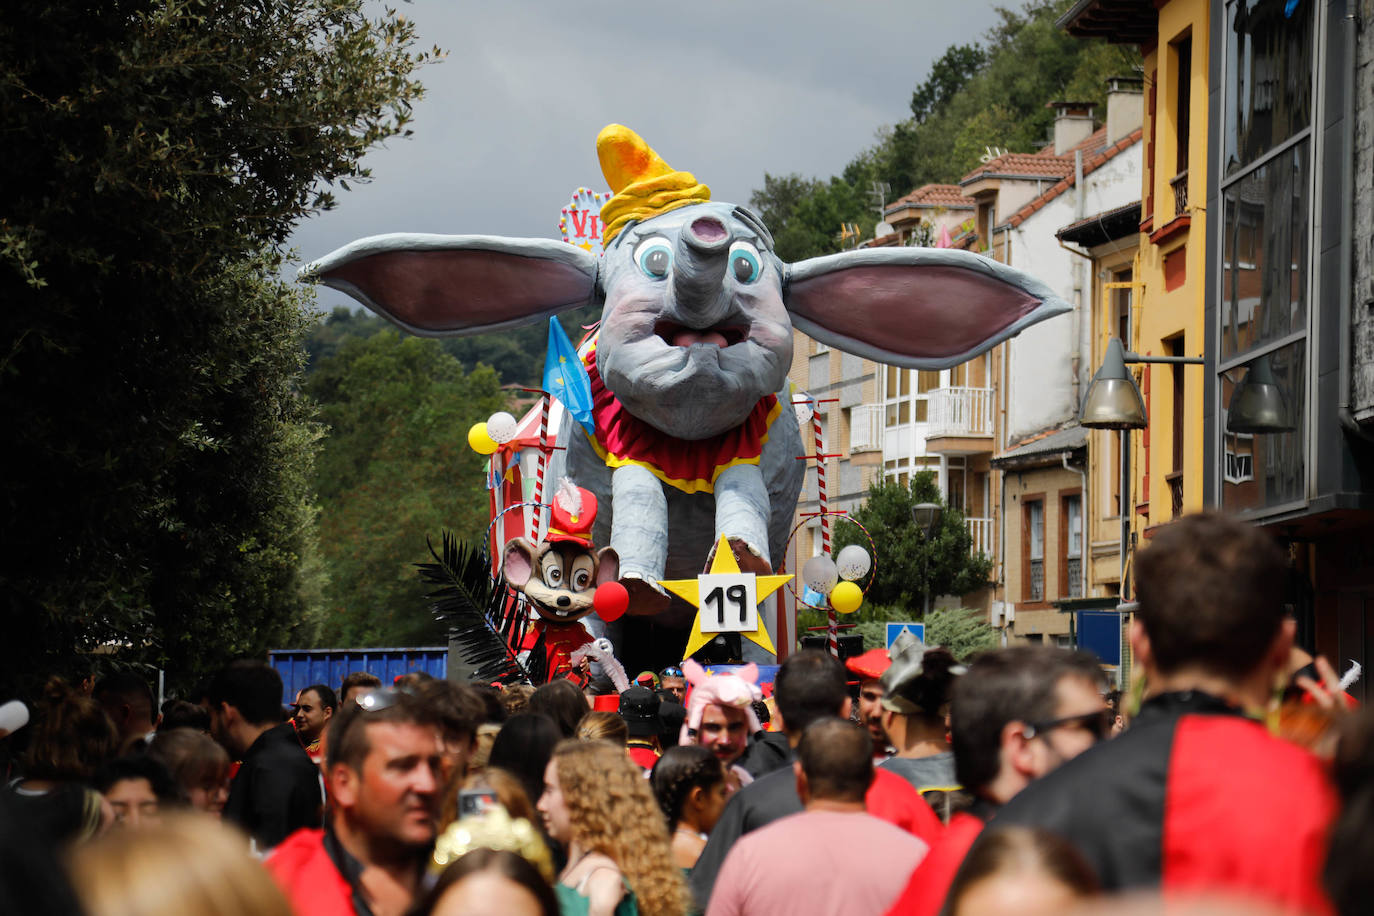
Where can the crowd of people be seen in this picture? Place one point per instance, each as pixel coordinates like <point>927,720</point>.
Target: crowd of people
<point>1234,777</point>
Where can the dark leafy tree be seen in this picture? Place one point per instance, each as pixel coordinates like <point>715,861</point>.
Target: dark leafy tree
<point>395,468</point>
<point>158,452</point>
<point>910,566</point>
<point>947,76</point>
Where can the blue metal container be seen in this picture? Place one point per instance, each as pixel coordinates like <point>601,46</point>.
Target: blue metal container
<point>303,667</point>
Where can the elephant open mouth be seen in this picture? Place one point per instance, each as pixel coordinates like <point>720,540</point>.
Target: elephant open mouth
<point>720,335</point>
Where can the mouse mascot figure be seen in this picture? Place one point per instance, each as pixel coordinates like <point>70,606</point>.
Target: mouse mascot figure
<point>559,578</point>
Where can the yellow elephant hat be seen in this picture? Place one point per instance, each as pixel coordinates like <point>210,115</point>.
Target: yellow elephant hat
<point>644,186</point>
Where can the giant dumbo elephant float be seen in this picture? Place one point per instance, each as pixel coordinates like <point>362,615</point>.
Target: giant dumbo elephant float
<point>695,437</point>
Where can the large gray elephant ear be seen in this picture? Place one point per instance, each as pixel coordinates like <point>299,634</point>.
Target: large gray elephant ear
<point>454,285</point>
<point>920,308</point>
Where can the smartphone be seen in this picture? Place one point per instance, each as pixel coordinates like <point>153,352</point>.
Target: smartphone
<point>476,801</point>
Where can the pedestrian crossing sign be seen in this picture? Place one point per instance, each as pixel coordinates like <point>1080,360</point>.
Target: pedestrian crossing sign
<point>895,629</point>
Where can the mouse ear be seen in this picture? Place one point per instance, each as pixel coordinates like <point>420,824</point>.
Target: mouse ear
<point>517,564</point>
<point>455,285</point>
<point>607,565</point>
<point>918,308</point>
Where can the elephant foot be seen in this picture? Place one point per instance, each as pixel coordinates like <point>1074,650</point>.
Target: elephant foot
<point>746,557</point>
<point>646,599</point>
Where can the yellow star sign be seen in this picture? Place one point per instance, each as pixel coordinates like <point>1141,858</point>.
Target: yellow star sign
<point>727,599</point>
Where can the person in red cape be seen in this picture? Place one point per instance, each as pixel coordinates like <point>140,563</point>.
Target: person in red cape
<point>1197,797</point>
<point>384,771</point>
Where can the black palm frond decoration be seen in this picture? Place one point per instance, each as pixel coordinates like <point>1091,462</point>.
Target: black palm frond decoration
<point>483,616</point>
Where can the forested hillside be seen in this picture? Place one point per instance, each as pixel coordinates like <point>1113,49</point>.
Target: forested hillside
<point>394,466</point>
<point>991,93</point>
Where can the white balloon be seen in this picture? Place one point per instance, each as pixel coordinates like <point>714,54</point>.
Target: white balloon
<point>804,408</point>
<point>820,574</point>
<point>853,563</point>
<point>501,427</point>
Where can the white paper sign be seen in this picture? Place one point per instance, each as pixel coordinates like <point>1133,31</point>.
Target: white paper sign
<point>729,602</point>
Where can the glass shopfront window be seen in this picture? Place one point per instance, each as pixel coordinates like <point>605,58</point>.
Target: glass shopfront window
<point>1265,248</point>
<point>1268,77</point>
<point>1267,469</point>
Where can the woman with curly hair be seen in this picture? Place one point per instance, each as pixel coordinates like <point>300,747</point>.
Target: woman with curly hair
<point>689,782</point>
<point>598,805</point>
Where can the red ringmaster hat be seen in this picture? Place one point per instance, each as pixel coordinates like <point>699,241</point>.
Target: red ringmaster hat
<point>869,666</point>
<point>572,514</point>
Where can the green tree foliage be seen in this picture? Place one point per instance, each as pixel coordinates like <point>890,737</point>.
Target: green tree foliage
<point>157,459</point>
<point>976,96</point>
<point>947,76</point>
<point>963,631</point>
<point>909,566</point>
<point>395,468</point>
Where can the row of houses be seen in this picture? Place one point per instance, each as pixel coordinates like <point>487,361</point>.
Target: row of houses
<point>1261,114</point>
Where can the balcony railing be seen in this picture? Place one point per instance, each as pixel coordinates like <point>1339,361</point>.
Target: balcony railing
<point>984,536</point>
<point>1073,576</point>
<point>1180,185</point>
<point>1175,481</point>
<point>960,412</point>
<point>866,428</point>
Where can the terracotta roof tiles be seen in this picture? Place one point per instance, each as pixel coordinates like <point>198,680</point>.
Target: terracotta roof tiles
<point>1043,164</point>
<point>1090,165</point>
<point>948,196</point>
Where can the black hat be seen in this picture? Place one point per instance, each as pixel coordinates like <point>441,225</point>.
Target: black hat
<point>639,709</point>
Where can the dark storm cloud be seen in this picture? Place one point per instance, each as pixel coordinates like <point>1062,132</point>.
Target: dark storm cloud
<point>726,90</point>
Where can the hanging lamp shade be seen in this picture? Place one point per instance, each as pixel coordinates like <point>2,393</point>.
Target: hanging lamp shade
<point>1113,401</point>
<point>1258,404</point>
<point>927,517</point>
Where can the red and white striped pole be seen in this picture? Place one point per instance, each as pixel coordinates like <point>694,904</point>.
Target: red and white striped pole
<point>539,473</point>
<point>833,619</point>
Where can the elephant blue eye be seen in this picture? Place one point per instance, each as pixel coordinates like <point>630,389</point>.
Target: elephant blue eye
<point>654,256</point>
<point>744,262</point>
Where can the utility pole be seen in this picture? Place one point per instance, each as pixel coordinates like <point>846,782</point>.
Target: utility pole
<point>878,191</point>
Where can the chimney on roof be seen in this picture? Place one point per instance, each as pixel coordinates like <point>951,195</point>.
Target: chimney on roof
<point>1125,106</point>
<point>1073,123</point>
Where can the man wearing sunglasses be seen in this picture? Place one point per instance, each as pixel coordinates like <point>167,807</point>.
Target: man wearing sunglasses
<point>674,681</point>
<point>1015,715</point>
<point>1197,796</point>
<point>384,768</point>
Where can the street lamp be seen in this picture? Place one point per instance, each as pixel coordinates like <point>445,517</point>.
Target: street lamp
<point>927,518</point>
<point>1113,402</point>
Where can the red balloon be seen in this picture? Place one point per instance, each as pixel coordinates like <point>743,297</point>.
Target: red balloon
<point>610,601</point>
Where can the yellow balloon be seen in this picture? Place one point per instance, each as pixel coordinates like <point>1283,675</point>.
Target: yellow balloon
<point>846,597</point>
<point>481,442</point>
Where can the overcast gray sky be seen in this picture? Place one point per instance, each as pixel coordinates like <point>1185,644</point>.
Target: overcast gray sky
<point>725,90</point>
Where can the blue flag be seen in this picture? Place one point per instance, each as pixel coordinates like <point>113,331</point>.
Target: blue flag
<point>566,379</point>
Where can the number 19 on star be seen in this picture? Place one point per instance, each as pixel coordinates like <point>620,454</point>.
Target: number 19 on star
<point>729,603</point>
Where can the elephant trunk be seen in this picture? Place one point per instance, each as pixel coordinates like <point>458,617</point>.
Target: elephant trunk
<point>703,251</point>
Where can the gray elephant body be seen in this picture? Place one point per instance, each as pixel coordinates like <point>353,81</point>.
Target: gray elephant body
<point>690,526</point>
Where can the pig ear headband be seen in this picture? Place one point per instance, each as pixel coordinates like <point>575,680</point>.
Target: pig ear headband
<point>738,690</point>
